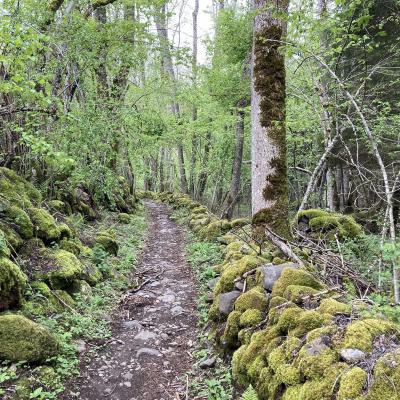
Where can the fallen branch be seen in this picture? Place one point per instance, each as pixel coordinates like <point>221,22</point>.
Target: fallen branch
<point>147,281</point>
<point>283,245</point>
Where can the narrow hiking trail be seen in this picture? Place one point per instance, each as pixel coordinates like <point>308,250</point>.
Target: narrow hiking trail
<point>154,328</point>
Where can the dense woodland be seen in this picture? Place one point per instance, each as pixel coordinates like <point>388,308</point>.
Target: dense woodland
<point>291,117</point>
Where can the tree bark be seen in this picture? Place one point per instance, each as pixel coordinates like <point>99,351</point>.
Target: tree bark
<point>269,170</point>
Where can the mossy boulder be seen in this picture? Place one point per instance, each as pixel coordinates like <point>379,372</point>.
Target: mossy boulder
<point>360,334</point>
<point>13,239</point>
<point>17,190</point>
<point>297,293</point>
<point>352,383</point>
<point>107,241</point>
<point>251,317</point>
<point>20,221</point>
<point>322,223</point>
<point>255,299</point>
<point>124,218</point>
<point>60,206</point>
<point>12,284</point>
<point>332,306</point>
<point>235,269</point>
<point>24,340</point>
<point>297,277</point>
<point>45,225</point>
<point>62,268</point>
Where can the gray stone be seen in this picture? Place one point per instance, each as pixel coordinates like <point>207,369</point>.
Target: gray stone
<point>211,283</point>
<point>176,310</point>
<point>316,346</point>
<point>352,355</point>
<point>133,324</point>
<point>145,335</point>
<point>227,301</point>
<point>271,273</point>
<point>167,298</point>
<point>239,285</point>
<point>209,363</point>
<point>146,351</point>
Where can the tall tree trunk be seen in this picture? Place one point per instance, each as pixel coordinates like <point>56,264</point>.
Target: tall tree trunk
<point>233,194</point>
<point>161,25</point>
<point>193,157</point>
<point>269,170</point>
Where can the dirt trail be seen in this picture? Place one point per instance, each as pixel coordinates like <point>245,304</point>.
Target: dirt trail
<point>153,329</point>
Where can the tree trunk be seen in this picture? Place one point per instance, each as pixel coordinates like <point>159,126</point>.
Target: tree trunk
<point>161,25</point>
<point>269,170</point>
<point>193,157</point>
<point>204,173</point>
<point>233,194</point>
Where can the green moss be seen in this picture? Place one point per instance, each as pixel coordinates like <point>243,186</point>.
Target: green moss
<point>352,384</point>
<point>4,246</point>
<point>254,371</point>
<point>386,380</point>
<point>251,317</point>
<point>235,270</point>
<point>239,370</point>
<point>124,218</point>
<point>12,284</point>
<point>277,306</point>
<point>91,274</point>
<point>296,293</point>
<point>45,225</point>
<point>199,210</point>
<point>292,276</point>
<point>319,332</point>
<point>63,270</point>
<point>324,222</point>
<point>21,221</point>
<point>71,245</point>
<point>232,327</point>
<point>107,240</point>
<point>17,190</point>
<point>65,230</point>
<point>314,361</point>
<point>24,340</point>
<point>332,306</point>
<point>60,206</point>
<point>253,299</point>
<point>360,334</point>
<point>14,240</point>
<point>239,222</point>
<point>284,353</point>
<point>214,229</point>
<point>307,321</point>
<point>288,374</point>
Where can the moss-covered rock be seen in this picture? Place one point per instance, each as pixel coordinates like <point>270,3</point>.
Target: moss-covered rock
<point>352,384</point>
<point>17,190</point>
<point>332,306</point>
<point>60,206</point>
<point>124,218</point>
<point>253,299</point>
<point>360,334</point>
<point>251,317</point>
<point>13,239</point>
<point>235,269</point>
<point>20,221</point>
<point>45,225</point>
<point>25,340</point>
<point>65,231</point>
<point>107,241</point>
<point>296,293</point>
<point>61,270</point>
<point>230,337</point>
<point>297,277</point>
<point>325,223</point>
<point>12,284</point>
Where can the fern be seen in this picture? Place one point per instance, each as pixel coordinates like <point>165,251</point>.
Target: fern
<point>250,394</point>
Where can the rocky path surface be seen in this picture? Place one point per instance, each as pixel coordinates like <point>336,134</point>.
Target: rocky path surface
<point>153,328</point>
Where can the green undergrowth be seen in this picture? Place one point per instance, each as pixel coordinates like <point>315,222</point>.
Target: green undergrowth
<point>85,319</point>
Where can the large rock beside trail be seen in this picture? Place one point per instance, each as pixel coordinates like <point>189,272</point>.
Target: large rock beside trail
<point>24,340</point>
<point>12,283</point>
<point>271,273</point>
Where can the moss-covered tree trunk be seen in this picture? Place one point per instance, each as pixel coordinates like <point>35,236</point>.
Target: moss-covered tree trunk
<point>269,170</point>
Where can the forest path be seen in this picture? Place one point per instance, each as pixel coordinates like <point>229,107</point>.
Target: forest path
<point>153,328</point>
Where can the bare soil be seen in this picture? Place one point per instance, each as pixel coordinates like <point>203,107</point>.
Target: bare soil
<point>154,328</point>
